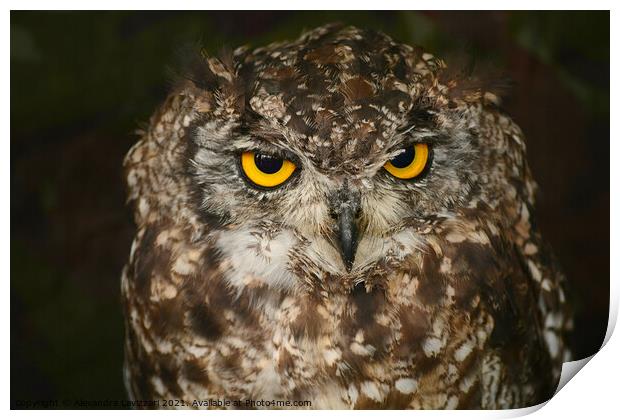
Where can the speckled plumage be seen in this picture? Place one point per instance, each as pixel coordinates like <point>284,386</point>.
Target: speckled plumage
<point>453,299</point>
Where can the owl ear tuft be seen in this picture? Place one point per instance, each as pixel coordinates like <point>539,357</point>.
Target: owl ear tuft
<point>204,71</point>
<point>212,80</point>
<point>469,81</point>
<point>221,70</point>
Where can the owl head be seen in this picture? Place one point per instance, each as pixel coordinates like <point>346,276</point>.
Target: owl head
<point>329,154</point>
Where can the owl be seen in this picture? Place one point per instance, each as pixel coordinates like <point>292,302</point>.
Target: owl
<point>339,221</point>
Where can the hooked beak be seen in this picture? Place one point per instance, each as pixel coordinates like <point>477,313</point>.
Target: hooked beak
<point>345,209</point>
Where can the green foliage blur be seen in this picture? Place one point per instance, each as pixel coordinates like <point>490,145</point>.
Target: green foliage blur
<point>80,65</point>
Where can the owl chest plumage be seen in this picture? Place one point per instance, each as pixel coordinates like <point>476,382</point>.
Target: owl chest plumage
<point>418,330</point>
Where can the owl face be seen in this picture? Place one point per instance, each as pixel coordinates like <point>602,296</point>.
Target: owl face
<point>343,150</point>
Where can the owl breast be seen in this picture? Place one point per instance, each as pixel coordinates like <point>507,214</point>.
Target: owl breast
<point>240,316</point>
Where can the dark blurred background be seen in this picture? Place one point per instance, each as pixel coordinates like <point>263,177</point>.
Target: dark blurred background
<point>82,82</point>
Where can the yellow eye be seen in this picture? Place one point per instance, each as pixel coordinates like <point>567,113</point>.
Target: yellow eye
<point>265,170</point>
<point>410,163</point>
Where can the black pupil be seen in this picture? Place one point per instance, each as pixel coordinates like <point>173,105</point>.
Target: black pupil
<point>267,164</point>
<point>405,158</point>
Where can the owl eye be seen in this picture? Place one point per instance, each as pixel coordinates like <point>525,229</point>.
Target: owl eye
<point>266,170</point>
<point>410,163</point>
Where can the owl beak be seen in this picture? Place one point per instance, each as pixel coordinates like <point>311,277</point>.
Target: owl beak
<point>344,209</point>
<point>348,234</point>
